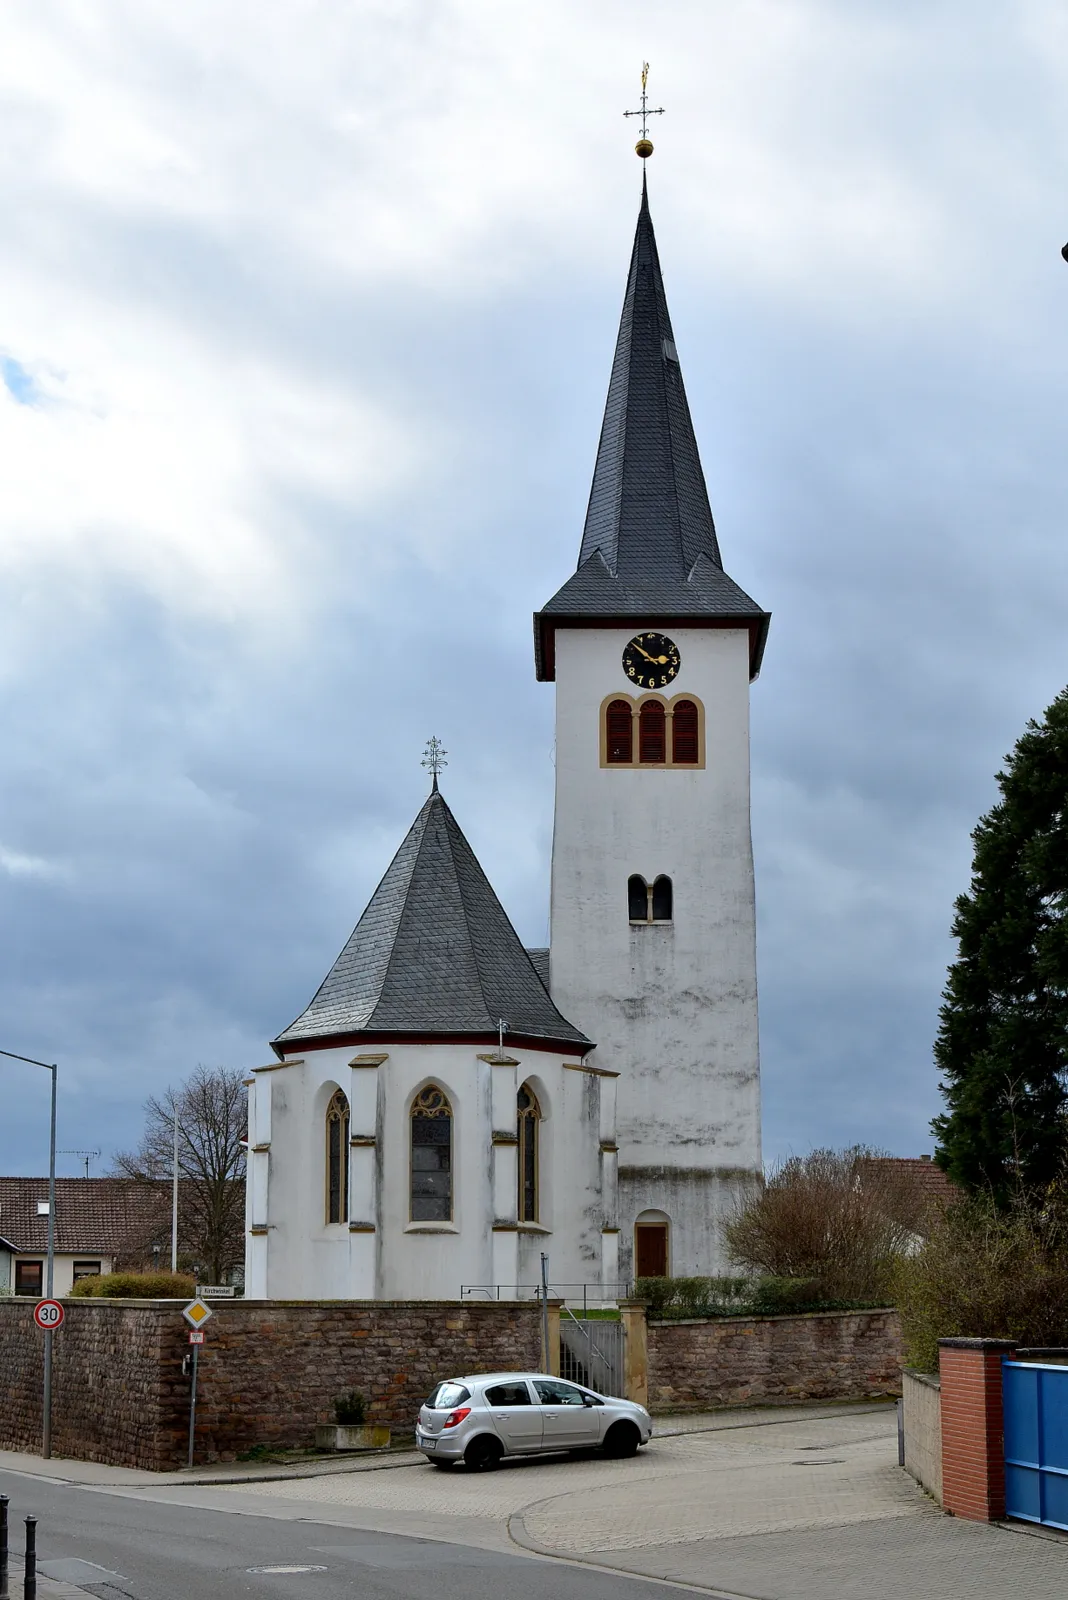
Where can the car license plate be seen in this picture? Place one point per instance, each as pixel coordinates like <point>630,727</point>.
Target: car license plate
<point>427,1443</point>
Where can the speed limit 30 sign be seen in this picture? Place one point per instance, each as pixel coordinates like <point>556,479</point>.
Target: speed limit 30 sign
<point>48,1314</point>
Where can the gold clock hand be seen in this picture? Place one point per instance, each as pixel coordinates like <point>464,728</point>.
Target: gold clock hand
<point>644,653</point>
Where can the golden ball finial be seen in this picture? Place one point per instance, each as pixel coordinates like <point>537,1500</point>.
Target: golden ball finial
<point>644,148</point>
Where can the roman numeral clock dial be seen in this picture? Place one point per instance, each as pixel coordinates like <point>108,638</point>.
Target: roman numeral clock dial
<point>651,660</point>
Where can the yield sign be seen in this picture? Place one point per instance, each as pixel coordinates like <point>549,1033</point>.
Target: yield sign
<point>197,1313</point>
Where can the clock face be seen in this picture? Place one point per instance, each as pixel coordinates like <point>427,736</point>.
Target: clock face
<point>651,660</point>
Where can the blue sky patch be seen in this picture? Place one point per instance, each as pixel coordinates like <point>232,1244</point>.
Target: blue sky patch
<point>18,381</point>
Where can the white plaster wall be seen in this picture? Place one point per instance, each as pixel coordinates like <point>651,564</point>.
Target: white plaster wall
<point>672,1007</point>
<point>302,1257</point>
<point>62,1273</point>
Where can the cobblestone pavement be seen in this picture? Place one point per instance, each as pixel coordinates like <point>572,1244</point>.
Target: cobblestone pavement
<point>783,1506</point>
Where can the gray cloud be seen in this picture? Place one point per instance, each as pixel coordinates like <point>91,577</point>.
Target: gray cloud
<point>313,396</point>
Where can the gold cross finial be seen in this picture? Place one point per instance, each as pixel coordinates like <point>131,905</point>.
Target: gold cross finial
<point>644,147</point>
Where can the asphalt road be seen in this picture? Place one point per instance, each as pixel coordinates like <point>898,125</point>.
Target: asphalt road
<point>118,1546</point>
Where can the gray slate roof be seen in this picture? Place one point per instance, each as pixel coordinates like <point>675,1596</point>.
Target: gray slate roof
<point>649,548</point>
<point>434,953</point>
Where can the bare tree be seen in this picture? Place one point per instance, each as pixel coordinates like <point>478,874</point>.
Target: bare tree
<point>841,1217</point>
<point>212,1119</point>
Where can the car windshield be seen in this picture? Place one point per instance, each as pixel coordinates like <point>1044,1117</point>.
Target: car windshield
<point>447,1395</point>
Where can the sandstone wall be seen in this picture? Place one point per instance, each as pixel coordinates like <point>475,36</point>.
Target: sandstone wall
<point>826,1355</point>
<point>269,1371</point>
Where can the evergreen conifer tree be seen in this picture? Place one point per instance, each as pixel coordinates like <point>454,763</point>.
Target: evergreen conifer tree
<point>1002,1045</point>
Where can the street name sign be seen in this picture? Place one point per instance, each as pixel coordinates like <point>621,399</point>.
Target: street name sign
<point>196,1313</point>
<point>48,1314</point>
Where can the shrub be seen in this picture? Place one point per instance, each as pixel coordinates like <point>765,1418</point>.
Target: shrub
<point>86,1288</point>
<point>137,1286</point>
<point>777,1297</point>
<point>673,1299</point>
<point>985,1273</point>
<point>837,1219</point>
<point>350,1410</point>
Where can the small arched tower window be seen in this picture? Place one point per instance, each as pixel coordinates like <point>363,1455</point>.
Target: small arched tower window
<point>685,751</point>
<point>637,899</point>
<point>652,743</point>
<point>431,1183</point>
<point>528,1118</point>
<point>337,1158</point>
<point>662,899</point>
<point>619,733</point>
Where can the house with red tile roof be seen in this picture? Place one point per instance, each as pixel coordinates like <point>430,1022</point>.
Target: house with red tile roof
<point>102,1225</point>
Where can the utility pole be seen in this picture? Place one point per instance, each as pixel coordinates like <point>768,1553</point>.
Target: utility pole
<point>174,1197</point>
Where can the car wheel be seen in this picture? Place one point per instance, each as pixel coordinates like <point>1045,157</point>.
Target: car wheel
<point>622,1439</point>
<point>482,1454</point>
<point>442,1466</point>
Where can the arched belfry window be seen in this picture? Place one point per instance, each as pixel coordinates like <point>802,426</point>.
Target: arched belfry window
<point>637,899</point>
<point>431,1183</point>
<point>685,734</point>
<point>661,900</point>
<point>619,733</point>
<point>528,1118</point>
<point>337,1159</point>
<point>652,741</point>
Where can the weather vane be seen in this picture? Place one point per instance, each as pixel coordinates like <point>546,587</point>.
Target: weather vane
<point>644,147</point>
<point>434,758</point>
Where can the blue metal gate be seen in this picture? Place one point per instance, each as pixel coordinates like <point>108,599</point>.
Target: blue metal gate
<point>1036,1442</point>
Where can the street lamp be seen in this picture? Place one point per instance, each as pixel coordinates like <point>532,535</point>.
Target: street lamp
<point>46,1420</point>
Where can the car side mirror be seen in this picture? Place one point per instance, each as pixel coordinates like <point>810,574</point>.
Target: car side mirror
<point>587,1401</point>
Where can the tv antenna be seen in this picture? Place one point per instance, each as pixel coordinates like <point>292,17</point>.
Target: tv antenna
<point>86,1156</point>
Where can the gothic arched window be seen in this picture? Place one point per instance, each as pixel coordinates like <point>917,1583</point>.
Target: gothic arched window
<point>652,742</point>
<point>619,733</point>
<point>685,734</point>
<point>662,900</point>
<point>528,1118</point>
<point>431,1183</point>
<point>337,1159</point>
<point>637,899</point>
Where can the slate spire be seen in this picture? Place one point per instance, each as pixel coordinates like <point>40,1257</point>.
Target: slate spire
<point>434,955</point>
<point>649,549</point>
<point>648,514</point>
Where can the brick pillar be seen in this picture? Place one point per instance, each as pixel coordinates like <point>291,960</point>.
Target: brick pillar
<point>973,1446</point>
<point>635,1351</point>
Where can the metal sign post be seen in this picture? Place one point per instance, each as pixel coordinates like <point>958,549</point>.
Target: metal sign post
<point>544,1312</point>
<point>196,1340</point>
<point>196,1313</point>
<point>46,1399</point>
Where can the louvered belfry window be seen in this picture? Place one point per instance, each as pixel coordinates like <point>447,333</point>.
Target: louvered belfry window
<point>684,734</point>
<point>652,741</point>
<point>337,1164</point>
<point>619,731</point>
<point>431,1196</point>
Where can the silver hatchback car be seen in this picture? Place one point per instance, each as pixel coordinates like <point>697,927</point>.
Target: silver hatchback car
<point>481,1418</point>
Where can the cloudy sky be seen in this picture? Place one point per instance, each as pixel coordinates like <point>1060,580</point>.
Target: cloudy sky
<point>306,315</point>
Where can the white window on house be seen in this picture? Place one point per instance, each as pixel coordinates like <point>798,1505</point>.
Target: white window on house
<point>29,1278</point>
<point>86,1269</point>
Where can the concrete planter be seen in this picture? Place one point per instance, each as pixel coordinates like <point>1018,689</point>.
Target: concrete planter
<point>367,1436</point>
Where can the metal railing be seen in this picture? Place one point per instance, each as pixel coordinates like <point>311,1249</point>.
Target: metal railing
<point>591,1296</point>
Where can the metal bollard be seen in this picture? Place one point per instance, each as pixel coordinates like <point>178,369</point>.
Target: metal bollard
<point>29,1580</point>
<point>3,1547</point>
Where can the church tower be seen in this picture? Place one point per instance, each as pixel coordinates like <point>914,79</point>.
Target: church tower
<point>653,931</point>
